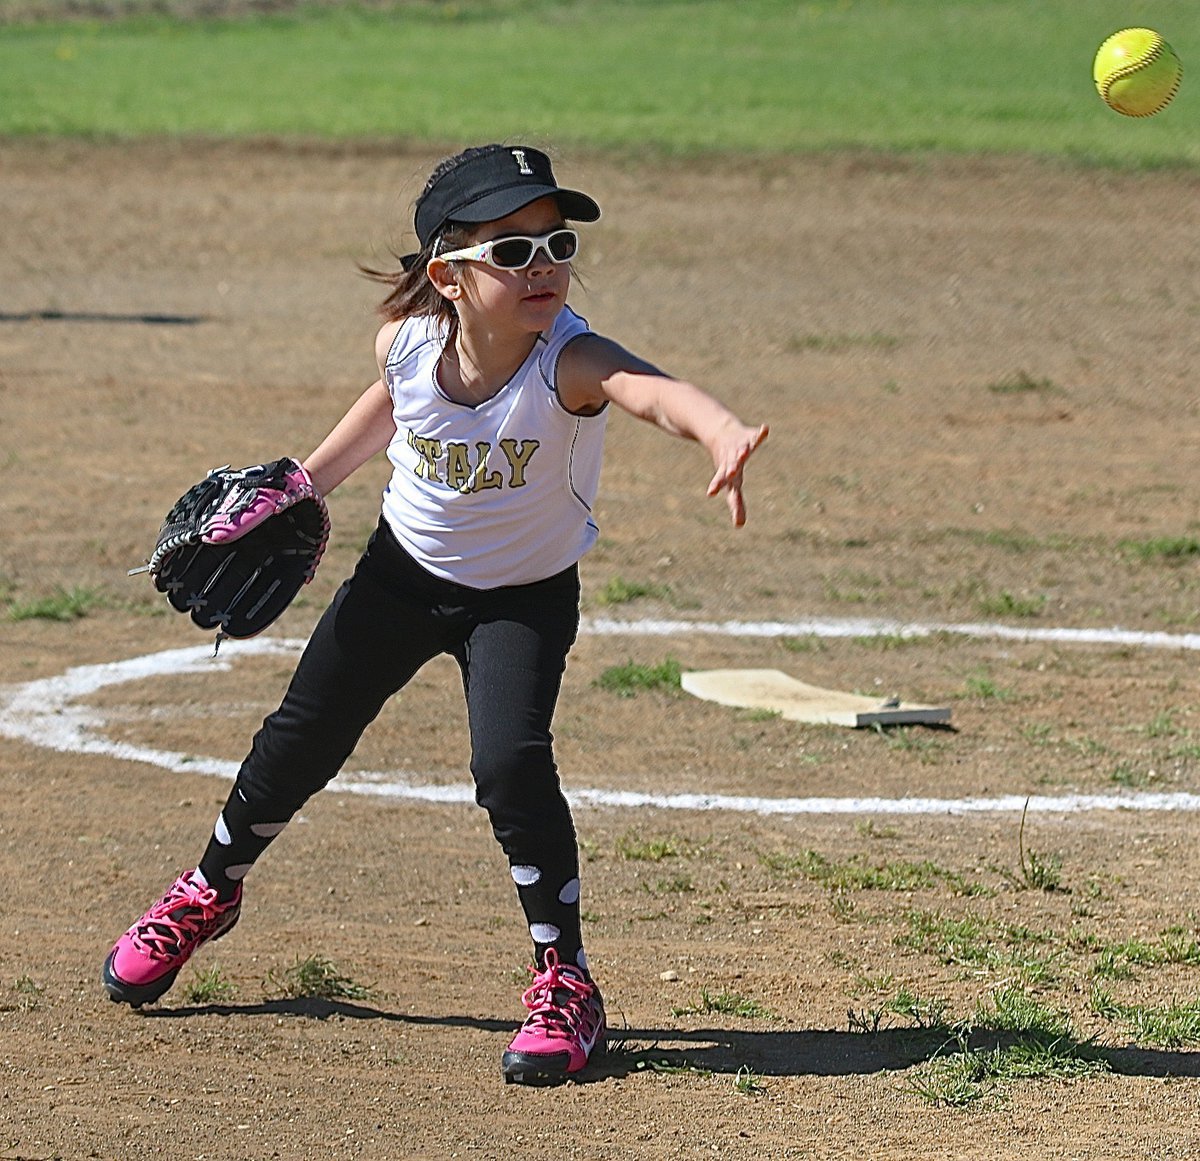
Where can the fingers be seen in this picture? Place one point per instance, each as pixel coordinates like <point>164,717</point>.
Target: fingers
<point>729,473</point>
<point>737,506</point>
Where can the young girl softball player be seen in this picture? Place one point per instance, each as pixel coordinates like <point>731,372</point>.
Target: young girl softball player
<point>491,406</point>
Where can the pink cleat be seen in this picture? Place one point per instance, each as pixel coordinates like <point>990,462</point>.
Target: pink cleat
<point>147,958</point>
<point>564,1027</point>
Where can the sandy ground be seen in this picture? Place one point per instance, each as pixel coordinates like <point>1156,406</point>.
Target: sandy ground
<point>979,380</point>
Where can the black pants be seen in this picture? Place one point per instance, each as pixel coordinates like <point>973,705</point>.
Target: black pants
<point>384,623</point>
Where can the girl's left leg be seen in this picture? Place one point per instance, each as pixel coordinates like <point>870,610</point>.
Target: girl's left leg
<point>512,663</point>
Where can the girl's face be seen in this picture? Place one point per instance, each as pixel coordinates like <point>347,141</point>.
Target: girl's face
<point>530,298</point>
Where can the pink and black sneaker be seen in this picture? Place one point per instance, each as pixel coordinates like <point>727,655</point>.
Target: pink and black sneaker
<point>564,1027</point>
<point>147,958</point>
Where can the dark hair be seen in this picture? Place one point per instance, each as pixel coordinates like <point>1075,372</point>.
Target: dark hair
<point>412,293</point>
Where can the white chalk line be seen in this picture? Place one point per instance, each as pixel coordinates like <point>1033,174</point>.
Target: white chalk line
<point>46,713</point>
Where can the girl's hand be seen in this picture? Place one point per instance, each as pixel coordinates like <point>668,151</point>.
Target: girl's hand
<point>730,450</point>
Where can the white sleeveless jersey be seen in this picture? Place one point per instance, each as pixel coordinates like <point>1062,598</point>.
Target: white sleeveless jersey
<point>496,494</point>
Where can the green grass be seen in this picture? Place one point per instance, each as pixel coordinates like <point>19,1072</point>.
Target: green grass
<point>1022,383</point>
<point>61,605</point>
<point>1012,1038</point>
<point>857,873</point>
<point>684,77</point>
<point>980,945</point>
<point>1166,549</point>
<point>1006,604</point>
<point>725,1004</point>
<point>208,987</point>
<point>634,848</point>
<point>314,978</point>
<point>619,591</point>
<point>1173,1025</point>
<point>838,343</point>
<point>633,677</point>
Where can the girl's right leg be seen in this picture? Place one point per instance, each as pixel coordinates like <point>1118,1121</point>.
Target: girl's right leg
<point>369,643</point>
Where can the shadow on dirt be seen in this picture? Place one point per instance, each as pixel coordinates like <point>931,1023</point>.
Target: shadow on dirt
<point>763,1053</point>
<point>91,316</point>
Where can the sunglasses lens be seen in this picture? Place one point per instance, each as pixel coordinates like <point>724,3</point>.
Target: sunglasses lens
<point>512,253</point>
<point>562,245</point>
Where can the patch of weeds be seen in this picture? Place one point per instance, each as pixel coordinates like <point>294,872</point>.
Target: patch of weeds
<point>887,642</point>
<point>1179,947</point>
<point>725,1004</point>
<point>1006,604</point>
<point>1163,725</point>
<point>1161,549</point>
<point>208,987</point>
<point>858,874</point>
<point>837,343</point>
<point>654,1059</point>
<point>27,993</point>
<point>1038,872</point>
<point>972,943</point>
<point>1116,960</point>
<point>315,978</point>
<point>982,686</point>
<point>620,591</point>
<point>637,849</point>
<point>1129,776</point>
<point>633,677</point>
<point>675,885</point>
<point>1022,383</point>
<point>877,985</point>
<point>852,586</point>
<point>1016,1038</point>
<point>802,644</point>
<point>910,740</point>
<point>968,1074</point>
<point>923,1015</point>
<point>61,605</point>
<point>1037,733</point>
<point>871,829</point>
<point>1166,1026</point>
<point>748,1083</point>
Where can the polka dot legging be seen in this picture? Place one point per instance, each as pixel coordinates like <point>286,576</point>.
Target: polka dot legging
<point>384,623</point>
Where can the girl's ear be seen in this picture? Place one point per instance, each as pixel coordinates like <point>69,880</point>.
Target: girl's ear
<point>444,278</point>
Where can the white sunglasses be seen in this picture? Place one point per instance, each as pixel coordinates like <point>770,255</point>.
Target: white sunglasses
<point>518,251</point>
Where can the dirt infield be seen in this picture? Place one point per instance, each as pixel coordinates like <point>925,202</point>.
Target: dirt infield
<point>979,376</point>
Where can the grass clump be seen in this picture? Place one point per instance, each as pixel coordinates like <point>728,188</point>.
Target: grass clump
<point>834,344</point>
<point>1006,604</point>
<point>1022,383</point>
<point>634,677</point>
<point>315,978</point>
<point>61,605</point>
<point>1161,549</point>
<point>1173,1025</point>
<point>1013,1038</point>
<point>978,945</point>
<point>620,591</point>
<point>208,987</point>
<point>725,1004</point>
<point>748,1083</point>
<point>858,874</point>
<point>26,992</point>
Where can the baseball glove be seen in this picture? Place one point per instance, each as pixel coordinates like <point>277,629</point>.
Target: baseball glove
<point>236,547</point>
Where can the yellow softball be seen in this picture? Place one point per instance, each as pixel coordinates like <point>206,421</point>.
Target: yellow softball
<point>1136,72</point>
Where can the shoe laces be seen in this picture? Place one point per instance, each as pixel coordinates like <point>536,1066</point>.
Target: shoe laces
<point>179,917</point>
<point>561,1001</point>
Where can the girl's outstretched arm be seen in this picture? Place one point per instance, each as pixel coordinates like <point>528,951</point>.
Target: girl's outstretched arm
<point>594,370</point>
<point>366,429</point>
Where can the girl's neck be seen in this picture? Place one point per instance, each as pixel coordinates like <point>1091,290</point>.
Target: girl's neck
<point>476,363</point>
